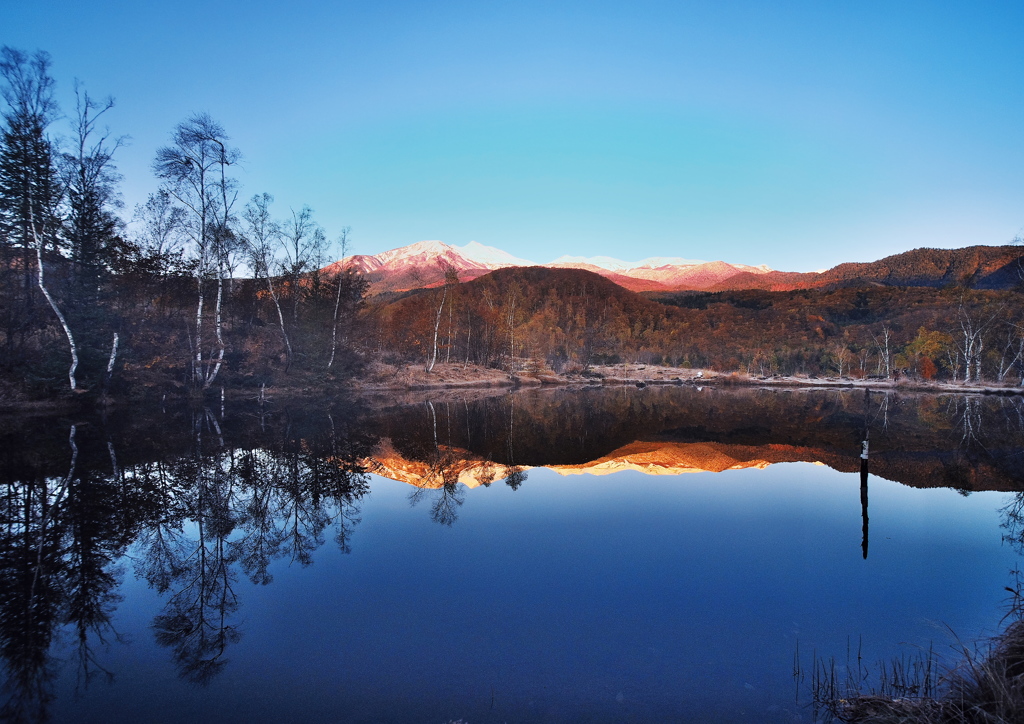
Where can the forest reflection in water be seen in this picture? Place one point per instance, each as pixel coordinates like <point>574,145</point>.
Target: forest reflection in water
<point>194,502</point>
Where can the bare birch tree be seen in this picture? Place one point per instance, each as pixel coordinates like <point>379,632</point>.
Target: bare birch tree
<point>1012,354</point>
<point>884,352</point>
<point>841,356</point>
<point>451,277</point>
<point>971,338</point>
<point>348,293</point>
<point>90,183</point>
<point>39,242</point>
<point>194,169</point>
<point>302,240</point>
<point>262,238</point>
<point>511,300</point>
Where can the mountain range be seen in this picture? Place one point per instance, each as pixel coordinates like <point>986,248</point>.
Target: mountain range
<point>423,265</point>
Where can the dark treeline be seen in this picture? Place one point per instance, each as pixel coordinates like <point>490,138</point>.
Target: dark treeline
<point>90,301</point>
<point>568,318</point>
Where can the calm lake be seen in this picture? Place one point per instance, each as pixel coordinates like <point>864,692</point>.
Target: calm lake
<point>570,555</point>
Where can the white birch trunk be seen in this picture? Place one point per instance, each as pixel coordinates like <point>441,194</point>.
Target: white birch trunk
<point>280,321</point>
<point>53,303</point>
<point>197,371</point>
<point>437,326</point>
<point>63,322</point>
<point>218,323</point>
<point>334,328</point>
<point>113,355</point>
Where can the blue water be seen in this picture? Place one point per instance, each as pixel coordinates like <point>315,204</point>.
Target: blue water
<point>615,598</point>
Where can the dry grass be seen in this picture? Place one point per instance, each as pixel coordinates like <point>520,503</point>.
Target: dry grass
<point>990,688</point>
<point>399,377</point>
<point>381,376</point>
<point>986,687</point>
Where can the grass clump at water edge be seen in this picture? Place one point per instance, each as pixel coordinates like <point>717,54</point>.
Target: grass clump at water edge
<point>985,687</point>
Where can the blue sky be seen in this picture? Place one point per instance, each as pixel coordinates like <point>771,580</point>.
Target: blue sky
<point>794,134</point>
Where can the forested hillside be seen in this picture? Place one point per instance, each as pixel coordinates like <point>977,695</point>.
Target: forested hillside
<point>558,315</point>
<point>975,267</point>
<point>561,317</point>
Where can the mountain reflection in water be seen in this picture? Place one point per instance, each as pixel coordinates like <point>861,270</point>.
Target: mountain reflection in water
<point>963,442</point>
<point>192,502</point>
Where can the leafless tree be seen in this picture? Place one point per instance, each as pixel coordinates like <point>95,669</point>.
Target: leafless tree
<point>302,242</point>
<point>884,352</point>
<point>158,242</point>
<point>973,324</point>
<point>511,300</point>
<point>263,237</point>
<point>348,292</point>
<point>451,278</point>
<point>841,356</point>
<point>90,183</point>
<point>53,302</point>
<point>1011,355</point>
<point>194,169</point>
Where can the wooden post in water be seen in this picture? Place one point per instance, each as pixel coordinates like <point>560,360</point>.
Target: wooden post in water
<point>864,477</point>
<point>864,498</point>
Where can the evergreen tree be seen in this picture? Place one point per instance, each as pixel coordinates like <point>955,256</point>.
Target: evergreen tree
<point>29,185</point>
<point>30,191</point>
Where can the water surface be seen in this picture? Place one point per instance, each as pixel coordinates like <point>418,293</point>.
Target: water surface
<point>570,555</point>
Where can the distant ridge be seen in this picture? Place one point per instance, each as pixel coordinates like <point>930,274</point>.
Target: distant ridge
<point>422,265</point>
<point>617,265</point>
<point>977,267</point>
<point>974,267</point>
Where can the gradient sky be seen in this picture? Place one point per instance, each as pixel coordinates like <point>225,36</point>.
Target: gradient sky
<point>794,134</point>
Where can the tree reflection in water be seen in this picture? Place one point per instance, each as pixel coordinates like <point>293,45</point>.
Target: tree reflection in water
<point>1013,522</point>
<point>196,568</point>
<point>59,541</point>
<point>440,483</point>
<point>445,462</point>
<point>200,511</point>
<point>242,509</point>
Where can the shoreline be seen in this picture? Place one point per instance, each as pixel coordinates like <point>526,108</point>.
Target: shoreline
<point>454,377</point>
<point>381,379</point>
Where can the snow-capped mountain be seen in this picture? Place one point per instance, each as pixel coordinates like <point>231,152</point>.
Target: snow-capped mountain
<point>489,255</point>
<point>617,265</point>
<point>659,273</point>
<point>439,252</point>
<point>423,264</point>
